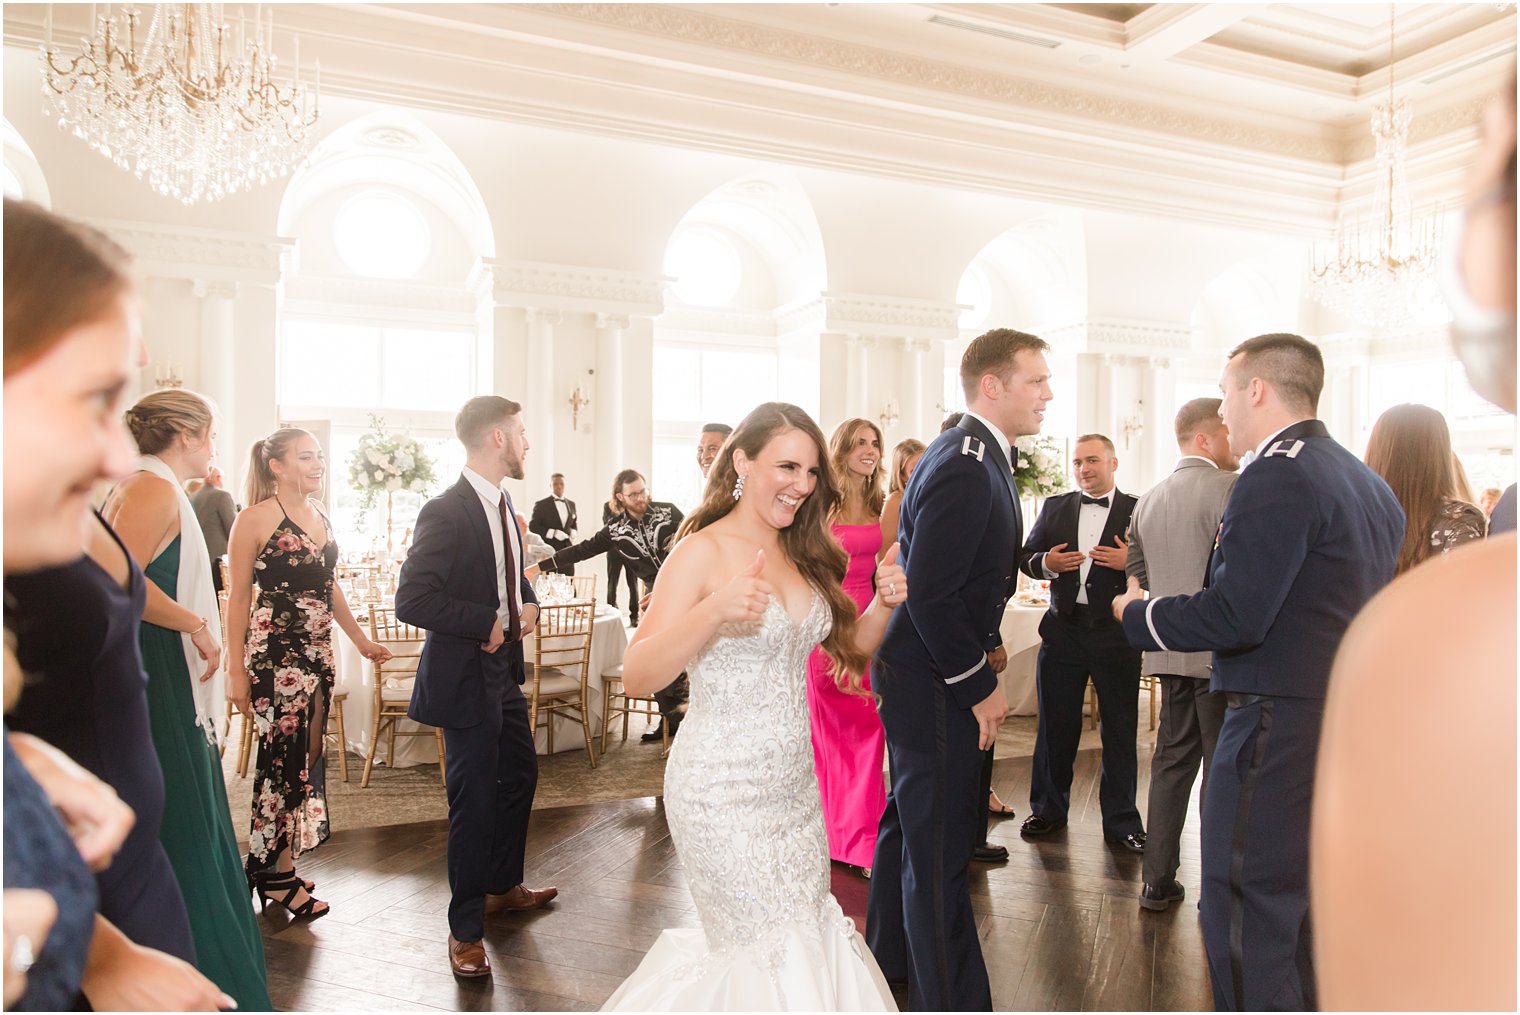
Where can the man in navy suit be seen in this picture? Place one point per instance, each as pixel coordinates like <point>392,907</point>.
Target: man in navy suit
<point>1309,535</point>
<point>462,582</point>
<point>940,701</point>
<point>1078,543</point>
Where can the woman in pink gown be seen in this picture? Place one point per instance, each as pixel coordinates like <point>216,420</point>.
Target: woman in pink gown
<point>848,742</point>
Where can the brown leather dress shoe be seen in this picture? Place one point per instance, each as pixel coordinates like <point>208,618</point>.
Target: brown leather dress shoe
<point>468,958</point>
<point>519,898</point>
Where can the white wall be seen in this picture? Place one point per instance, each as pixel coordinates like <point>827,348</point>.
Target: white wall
<point>581,223</point>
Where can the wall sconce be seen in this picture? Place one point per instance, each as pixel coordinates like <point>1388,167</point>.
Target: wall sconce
<point>1134,426</point>
<point>167,375</point>
<point>889,415</point>
<point>577,402</point>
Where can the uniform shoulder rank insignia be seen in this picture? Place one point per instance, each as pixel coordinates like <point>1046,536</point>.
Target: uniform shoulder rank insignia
<point>974,447</point>
<point>1290,451</point>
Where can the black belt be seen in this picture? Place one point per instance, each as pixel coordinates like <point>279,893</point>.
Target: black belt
<point>1089,617</point>
<point>1234,699</point>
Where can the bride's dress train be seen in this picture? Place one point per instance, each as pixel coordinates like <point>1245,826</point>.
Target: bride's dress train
<point>741,799</point>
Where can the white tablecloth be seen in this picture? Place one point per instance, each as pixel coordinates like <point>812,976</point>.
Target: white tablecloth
<point>354,674</point>
<point>1021,637</point>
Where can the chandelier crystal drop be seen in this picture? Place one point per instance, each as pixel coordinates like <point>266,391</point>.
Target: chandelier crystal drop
<point>1382,271</point>
<point>184,101</point>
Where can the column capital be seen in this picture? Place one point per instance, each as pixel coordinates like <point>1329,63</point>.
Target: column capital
<point>618,322</point>
<point>543,315</point>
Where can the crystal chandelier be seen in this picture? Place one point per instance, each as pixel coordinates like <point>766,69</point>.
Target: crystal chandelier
<point>1382,272</point>
<point>189,104</point>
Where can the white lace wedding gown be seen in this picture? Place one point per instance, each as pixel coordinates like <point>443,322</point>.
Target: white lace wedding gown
<point>742,802</point>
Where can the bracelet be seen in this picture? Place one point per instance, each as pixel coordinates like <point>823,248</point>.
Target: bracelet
<point>204,624</point>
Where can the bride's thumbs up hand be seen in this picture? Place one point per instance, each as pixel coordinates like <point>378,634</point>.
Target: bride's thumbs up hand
<point>744,598</point>
<point>891,580</point>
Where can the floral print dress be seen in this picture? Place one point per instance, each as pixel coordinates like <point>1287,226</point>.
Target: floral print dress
<point>289,658</point>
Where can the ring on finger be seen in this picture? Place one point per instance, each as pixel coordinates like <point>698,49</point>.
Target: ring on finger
<point>22,955</point>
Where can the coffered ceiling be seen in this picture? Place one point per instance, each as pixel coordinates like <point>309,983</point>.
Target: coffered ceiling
<point>1252,113</point>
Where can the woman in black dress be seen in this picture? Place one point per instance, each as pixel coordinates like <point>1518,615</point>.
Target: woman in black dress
<point>283,676</point>
<point>76,632</point>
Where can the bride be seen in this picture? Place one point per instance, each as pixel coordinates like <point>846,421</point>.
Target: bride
<point>753,585</point>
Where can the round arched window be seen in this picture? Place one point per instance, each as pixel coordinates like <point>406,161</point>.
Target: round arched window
<point>706,268</point>
<point>381,235</point>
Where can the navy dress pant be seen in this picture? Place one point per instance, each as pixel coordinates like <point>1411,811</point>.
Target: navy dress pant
<point>492,772</point>
<point>1069,654</point>
<point>919,923</point>
<point>1255,905</point>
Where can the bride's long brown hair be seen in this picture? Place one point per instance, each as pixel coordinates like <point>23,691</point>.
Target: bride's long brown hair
<point>808,542</point>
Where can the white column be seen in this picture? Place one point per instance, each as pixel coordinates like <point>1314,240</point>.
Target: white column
<point>608,393</point>
<point>1160,442</point>
<point>217,333</point>
<point>858,384</point>
<point>833,379</point>
<point>541,402</point>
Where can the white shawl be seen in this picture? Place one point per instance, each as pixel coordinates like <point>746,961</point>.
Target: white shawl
<point>195,592</point>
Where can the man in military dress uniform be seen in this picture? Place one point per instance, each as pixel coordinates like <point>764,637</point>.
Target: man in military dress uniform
<point>1309,536</point>
<point>940,699</point>
<point>1078,544</point>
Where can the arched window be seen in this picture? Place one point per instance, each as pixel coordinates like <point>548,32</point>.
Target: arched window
<point>377,320</point>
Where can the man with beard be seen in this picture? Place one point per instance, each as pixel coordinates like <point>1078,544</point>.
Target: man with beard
<point>462,582</point>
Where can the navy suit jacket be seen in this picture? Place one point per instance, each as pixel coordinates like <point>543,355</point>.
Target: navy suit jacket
<point>959,540</point>
<point>1057,524</point>
<point>448,588</point>
<point>1308,536</point>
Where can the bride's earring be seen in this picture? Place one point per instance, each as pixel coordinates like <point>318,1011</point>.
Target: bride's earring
<point>739,487</point>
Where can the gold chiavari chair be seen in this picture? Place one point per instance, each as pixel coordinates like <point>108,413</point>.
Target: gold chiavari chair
<point>585,586</point>
<point>617,702</point>
<point>393,686</point>
<point>560,670</point>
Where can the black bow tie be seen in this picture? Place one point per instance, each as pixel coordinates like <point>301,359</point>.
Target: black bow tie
<point>1100,501</point>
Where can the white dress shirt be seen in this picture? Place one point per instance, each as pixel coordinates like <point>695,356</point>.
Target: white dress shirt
<point>490,500</point>
<point>1091,518</point>
<point>564,511</point>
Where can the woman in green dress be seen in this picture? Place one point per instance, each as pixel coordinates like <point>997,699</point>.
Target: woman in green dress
<point>186,692</point>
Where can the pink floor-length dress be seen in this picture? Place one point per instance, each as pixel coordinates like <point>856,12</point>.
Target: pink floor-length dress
<point>847,736</point>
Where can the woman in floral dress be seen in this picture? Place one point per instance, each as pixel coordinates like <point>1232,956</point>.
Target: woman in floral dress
<point>283,677</point>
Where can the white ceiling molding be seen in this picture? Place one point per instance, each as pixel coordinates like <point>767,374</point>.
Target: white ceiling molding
<point>1115,336</point>
<point>207,255</point>
<point>570,289</point>
<point>876,89</point>
<point>866,315</point>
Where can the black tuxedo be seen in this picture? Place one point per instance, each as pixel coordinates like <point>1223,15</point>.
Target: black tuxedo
<point>545,520</point>
<point>1077,642</point>
<point>448,588</point>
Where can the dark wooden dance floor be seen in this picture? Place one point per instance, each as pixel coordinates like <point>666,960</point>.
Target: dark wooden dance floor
<point>1060,925</point>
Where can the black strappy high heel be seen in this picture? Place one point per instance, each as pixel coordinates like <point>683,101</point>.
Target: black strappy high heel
<point>280,887</point>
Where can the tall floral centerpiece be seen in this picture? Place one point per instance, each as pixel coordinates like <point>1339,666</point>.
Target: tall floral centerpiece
<point>1040,470</point>
<point>386,462</point>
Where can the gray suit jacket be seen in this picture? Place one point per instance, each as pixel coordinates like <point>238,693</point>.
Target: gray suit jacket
<point>1171,535</point>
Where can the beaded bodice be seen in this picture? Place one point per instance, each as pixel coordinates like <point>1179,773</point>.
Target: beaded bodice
<point>741,792</point>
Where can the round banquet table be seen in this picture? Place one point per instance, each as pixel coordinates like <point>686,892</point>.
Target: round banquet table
<point>354,674</point>
<point>1020,629</point>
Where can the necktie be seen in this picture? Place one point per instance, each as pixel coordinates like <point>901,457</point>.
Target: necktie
<point>1100,501</point>
<point>513,614</point>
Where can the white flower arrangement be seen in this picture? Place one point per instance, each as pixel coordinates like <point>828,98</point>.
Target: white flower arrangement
<point>387,462</point>
<point>1040,470</point>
